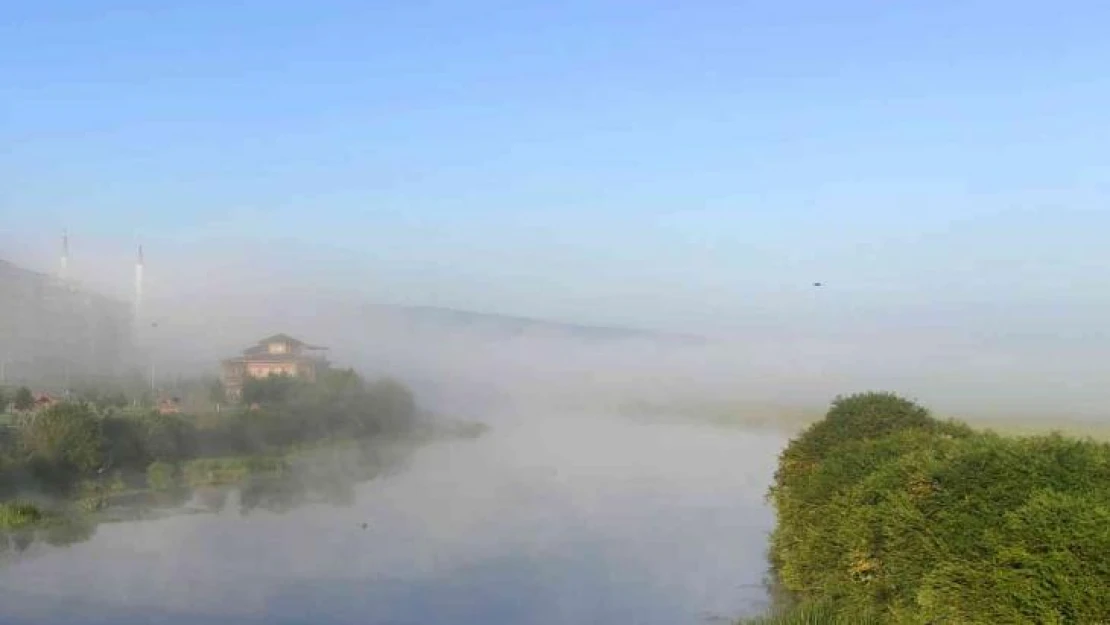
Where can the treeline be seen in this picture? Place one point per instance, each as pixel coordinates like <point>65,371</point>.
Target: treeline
<point>195,394</point>
<point>61,449</point>
<point>888,515</point>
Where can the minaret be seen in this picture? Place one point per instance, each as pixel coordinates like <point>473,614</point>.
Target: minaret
<point>139,286</point>
<point>63,272</point>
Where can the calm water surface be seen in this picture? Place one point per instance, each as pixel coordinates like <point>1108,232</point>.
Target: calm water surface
<point>549,520</point>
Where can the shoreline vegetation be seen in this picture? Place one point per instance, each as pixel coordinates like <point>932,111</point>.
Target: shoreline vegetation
<point>94,458</point>
<point>794,419</point>
<point>886,514</point>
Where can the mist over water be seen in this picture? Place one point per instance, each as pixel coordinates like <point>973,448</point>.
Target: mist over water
<point>969,353</point>
<point>793,204</point>
<point>549,518</point>
<point>565,512</point>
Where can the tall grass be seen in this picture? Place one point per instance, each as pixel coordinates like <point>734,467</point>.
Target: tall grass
<point>19,514</point>
<point>161,476</point>
<point>883,509</point>
<point>812,614</point>
<point>231,470</point>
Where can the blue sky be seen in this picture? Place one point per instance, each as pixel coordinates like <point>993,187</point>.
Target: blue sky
<point>664,164</point>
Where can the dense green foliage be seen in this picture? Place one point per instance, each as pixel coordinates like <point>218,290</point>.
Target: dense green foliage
<point>814,614</point>
<point>65,436</point>
<point>23,399</point>
<point>18,514</point>
<point>161,475</point>
<point>94,446</point>
<point>340,405</point>
<point>213,471</point>
<point>884,510</point>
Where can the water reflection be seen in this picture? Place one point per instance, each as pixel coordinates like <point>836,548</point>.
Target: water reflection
<point>65,531</point>
<point>323,476</point>
<point>549,522</point>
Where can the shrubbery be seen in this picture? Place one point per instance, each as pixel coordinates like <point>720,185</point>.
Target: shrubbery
<point>23,399</point>
<point>18,514</point>
<point>57,448</point>
<point>213,471</point>
<point>340,405</point>
<point>56,445</point>
<point>161,475</point>
<point>884,510</point>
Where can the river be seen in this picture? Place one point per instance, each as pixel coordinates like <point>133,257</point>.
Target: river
<point>543,520</point>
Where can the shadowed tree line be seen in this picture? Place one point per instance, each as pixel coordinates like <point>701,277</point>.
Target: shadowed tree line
<point>19,399</point>
<point>887,515</point>
<point>98,438</point>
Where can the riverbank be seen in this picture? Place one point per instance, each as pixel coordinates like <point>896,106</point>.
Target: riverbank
<point>794,419</point>
<point>548,518</point>
<point>887,514</point>
<point>96,450</point>
<point>295,471</point>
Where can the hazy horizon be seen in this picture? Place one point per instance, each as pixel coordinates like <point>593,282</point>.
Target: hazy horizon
<point>968,370</point>
<point>595,163</point>
<point>478,200</point>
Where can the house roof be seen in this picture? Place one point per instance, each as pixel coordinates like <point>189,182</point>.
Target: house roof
<point>266,357</point>
<point>280,338</point>
<point>285,338</point>
<point>262,346</point>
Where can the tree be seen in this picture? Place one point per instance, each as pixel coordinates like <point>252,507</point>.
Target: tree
<point>124,441</point>
<point>3,401</point>
<point>113,400</point>
<point>23,399</point>
<point>90,396</point>
<point>390,405</point>
<point>217,394</point>
<point>66,436</point>
<point>168,438</point>
<point>883,510</point>
<point>272,389</point>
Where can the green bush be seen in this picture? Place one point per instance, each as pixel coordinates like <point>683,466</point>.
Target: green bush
<point>62,449</point>
<point>65,436</point>
<point>882,509</point>
<point>1050,564</point>
<point>853,418</point>
<point>168,438</point>
<point>124,442</point>
<point>813,614</point>
<point>805,547</point>
<point>215,471</point>
<point>23,399</point>
<point>291,411</point>
<point>161,475</point>
<point>271,389</point>
<point>19,514</point>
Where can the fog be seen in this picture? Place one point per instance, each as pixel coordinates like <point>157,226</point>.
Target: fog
<point>573,519</point>
<point>570,510</point>
<point>794,348</point>
<point>953,369</point>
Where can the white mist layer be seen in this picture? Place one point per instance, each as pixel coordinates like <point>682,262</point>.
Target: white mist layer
<point>565,519</point>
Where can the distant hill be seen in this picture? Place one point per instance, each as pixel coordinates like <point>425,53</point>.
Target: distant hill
<point>52,329</point>
<point>493,324</point>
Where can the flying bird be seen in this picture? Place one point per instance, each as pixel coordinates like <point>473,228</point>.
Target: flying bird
<point>818,284</point>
